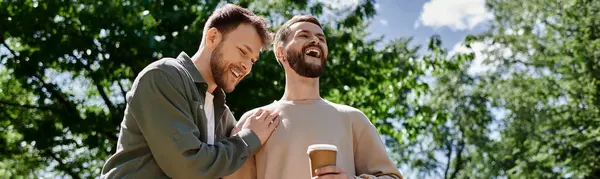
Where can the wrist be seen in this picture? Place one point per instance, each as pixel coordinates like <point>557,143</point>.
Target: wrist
<point>252,141</point>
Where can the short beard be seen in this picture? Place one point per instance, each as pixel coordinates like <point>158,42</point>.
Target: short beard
<point>218,69</point>
<point>298,63</point>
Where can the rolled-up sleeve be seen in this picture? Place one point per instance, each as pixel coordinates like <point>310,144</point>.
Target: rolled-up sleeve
<point>165,118</point>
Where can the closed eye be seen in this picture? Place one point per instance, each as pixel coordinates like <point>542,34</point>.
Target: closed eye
<point>242,51</point>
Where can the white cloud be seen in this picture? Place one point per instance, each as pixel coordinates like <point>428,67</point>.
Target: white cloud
<point>456,14</point>
<point>335,10</point>
<point>340,4</point>
<point>383,22</point>
<point>478,66</point>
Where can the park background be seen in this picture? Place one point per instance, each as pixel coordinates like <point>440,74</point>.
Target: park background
<point>456,88</point>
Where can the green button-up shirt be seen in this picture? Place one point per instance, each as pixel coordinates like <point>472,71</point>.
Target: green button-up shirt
<point>163,133</point>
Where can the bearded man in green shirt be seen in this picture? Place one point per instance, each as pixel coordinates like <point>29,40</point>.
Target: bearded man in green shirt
<point>176,122</point>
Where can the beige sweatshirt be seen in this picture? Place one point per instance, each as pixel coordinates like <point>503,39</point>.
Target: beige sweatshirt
<point>361,153</point>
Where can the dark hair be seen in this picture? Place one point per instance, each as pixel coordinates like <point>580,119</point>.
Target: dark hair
<point>283,32</point>
<point>230,16</point>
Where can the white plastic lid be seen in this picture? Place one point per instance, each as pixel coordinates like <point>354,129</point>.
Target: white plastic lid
<point>321,147</point>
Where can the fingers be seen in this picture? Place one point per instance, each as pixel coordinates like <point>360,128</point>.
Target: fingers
<point>235,130</point>
<point>273,115</point>
<point>258,112</point>
<point>263,115</point>
<point>328,170</point>
<point>272,118</point>
<point>275,122</point>
<point>332,176</point>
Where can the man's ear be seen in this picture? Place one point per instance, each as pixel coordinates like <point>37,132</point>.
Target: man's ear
<point>213,38</point>
<point>279,53</point>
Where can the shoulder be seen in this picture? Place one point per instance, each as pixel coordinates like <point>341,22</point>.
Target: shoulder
<point>170,66</point>
<point>271,107</point>
<point>352,113</point>
<point>348,110</point>
<point>160,72</point>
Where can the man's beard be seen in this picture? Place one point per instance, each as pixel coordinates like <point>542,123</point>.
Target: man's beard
<point>218,69</point>
<point>298,62</point>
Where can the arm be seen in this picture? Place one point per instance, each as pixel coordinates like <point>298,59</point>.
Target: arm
<point>165,118</point>
<point>248,170</point>
<point>370,157</point>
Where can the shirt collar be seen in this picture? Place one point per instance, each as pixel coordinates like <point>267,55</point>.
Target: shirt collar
<point>219,94</point>
<point>191,68</point>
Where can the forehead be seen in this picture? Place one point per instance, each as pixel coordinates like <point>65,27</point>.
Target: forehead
<point>305,26</point>
<point>245,34</point>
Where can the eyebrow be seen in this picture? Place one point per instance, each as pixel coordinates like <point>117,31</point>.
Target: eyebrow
<point>306,31</point>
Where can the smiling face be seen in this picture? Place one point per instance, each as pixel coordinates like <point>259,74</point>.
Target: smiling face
<point>306,51</point>
<point>234,56</point>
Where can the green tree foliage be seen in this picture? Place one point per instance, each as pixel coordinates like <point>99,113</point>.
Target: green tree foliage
<point>536,113</point>
<point>65,67</point>
<point>70,63</point>
<point>551,84</point>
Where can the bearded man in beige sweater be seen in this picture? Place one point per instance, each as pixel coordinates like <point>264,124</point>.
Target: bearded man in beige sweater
<point>301,48</point>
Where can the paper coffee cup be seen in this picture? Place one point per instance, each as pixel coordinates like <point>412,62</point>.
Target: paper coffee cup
<point>321,155</point>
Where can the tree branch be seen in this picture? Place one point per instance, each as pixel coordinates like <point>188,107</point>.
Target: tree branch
<point>2,37</point>
<point>63,166</point>
<point>107,101</point>
<point>12,52</point>
<point>459,160</point>
<point>68,106</point>
<point>513,61</point>
<point>103,94</point>
<point>111,108</point>
<point>7,103</point>
<point>123,92</point>
<point>449,156</point>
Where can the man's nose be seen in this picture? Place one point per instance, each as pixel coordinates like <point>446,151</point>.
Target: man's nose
<point>314,40</point>
<point>247,66</point>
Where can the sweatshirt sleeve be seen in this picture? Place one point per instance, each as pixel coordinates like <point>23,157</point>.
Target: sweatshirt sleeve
<point>371,159</point>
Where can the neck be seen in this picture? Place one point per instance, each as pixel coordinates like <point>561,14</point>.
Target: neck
<point>300,88</point>
<point>202,62</point>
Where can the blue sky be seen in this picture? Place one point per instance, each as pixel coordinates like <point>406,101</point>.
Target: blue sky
<point>420,19</point>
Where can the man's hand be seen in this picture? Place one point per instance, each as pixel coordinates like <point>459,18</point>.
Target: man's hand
<point>331,172</point>
<point>262,123</point>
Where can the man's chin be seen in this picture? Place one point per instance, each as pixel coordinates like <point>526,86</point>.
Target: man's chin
<point>226,88</point>
<point>229,90</point>
<point>313,62</point>
<point>312,76</point>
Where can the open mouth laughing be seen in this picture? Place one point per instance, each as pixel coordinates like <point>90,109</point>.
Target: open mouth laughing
<point>313,52</point>
<point>236,73</point>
